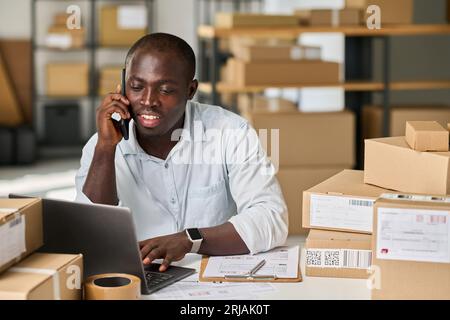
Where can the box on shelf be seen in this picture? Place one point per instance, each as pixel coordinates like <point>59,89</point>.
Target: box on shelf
<point>338,254</point>
<point>334,18</point>
<point>21,229</point>
<point>321,99</point>
<point>390,163</point>
<point>310,139</point>
<point>238,42</point>
<point>63,38</point>
<point>258,103</point>
<point>284,73</point>
<point>122,25</point>
<point>67,79</point>
<point>109,79</point>
<point>341,203</point>
<point>10,114</point>
<point>426,136</point>
<point>44,276</point>
<point>276,53</point>
<point>392,12</point>
<point>372,118</point>
<point>410,247</point>
<point>293,181</point>
<point>236,20</point>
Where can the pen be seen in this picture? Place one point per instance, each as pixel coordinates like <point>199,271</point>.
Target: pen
<point>257,267</point>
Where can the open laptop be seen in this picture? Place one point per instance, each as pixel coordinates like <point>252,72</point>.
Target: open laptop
<point>106,237</point>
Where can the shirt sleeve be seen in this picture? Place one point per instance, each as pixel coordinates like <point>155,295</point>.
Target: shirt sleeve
<point>262,216</point>
<point>85,163</point>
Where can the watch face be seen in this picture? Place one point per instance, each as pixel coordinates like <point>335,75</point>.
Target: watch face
<point>194,234</point>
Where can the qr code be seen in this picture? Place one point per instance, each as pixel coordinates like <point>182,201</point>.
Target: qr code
<point>332,258</point>
<point>313,258</point>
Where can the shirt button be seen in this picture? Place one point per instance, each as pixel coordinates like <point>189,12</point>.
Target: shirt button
<point>166,165</point>
<point>172,200</point>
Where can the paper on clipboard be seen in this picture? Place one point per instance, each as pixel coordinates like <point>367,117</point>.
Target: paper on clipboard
<point>281,262</point>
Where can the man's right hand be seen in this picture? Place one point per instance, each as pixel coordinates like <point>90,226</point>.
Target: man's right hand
<point>109,134</point>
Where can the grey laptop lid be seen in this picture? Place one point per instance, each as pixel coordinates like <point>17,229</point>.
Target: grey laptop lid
<point>105,235</point>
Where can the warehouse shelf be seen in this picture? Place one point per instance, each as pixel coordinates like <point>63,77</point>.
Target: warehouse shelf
<point>347,86</point>
<point>351,31</point>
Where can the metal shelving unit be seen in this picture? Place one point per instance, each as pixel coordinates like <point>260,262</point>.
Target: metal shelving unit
<point>359,85</point>
<point>91,47</point>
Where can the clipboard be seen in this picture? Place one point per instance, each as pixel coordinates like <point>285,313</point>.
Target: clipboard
<point>204,263</point>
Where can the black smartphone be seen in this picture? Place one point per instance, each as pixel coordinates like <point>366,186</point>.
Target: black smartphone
<point>124,124</point>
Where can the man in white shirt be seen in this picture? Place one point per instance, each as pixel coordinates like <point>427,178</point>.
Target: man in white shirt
<point>186,166</point>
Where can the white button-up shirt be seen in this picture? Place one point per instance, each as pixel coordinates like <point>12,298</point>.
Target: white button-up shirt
<point>217,172</point>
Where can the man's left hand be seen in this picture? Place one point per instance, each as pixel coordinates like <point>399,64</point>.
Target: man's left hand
<point>172,247</point>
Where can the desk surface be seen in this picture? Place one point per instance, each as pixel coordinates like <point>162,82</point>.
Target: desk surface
<point>309,288</point>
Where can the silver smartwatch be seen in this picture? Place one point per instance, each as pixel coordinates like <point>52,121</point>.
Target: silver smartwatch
<point>196,238</point>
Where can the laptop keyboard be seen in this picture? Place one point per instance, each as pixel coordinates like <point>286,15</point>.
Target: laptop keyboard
<point>156,278</point>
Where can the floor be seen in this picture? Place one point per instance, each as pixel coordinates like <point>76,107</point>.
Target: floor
<point>45,178</point>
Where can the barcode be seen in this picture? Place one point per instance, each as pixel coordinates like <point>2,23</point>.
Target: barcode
<point>359,259</point>
<point>361,203</point>
<point>15,222</point>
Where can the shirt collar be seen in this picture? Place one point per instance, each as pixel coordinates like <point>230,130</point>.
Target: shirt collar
<point>193,130</point>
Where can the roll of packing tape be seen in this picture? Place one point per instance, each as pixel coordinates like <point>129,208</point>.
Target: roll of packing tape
<point>112,286</point>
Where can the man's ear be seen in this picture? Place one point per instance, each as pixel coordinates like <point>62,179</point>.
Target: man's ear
<point>192,89</point>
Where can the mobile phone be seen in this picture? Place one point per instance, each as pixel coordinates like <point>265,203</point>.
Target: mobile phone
<point>124,124</point>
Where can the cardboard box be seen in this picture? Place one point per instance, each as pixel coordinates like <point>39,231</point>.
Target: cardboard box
<point>10,114</point>
<point>392,12</point>
<point>63,38</point>
<point>293,181</point>
<point>310,139</point>
<point>372,118</point>
<point>16,56</point>
<point>258,103</point>
<point>111,32</point>
<point>342,203</point>
<point>284,73</point>
<point>44,276</point>
<point>338,254</point>
<point>411,248</point>
<point>426,136</point>
<point>20,228</point>
<point>238,42</point>
<point>390,163</point>
<point>237,20</point>
<point>109,78</point>
<point>67,79</point>
<point>254,53</point>
<point>335,18</point>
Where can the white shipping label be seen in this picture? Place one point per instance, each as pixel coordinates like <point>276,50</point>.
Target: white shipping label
<point>338,258</point>
<point>341,212</point>
<point>12,239</point>
<point>132,17</point>
<point>413,235</point>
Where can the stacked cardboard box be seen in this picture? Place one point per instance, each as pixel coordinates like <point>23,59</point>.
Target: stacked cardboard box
<point>392,12</point>
<point>20,228</point>
<point>411,247</point>
<point>60,36</point>
<point>109,79</point>
<point>122,25</point>
<point>44,276</point>
<point>237,20</point>
<point>411,230</point>
<point>306,143</point>
<point>331,17</point>
<point>339,212</point>
<point>285,62</point>
<point>67,79</point>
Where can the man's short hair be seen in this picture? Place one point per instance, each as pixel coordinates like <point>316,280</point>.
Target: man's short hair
<point>164,42</point>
